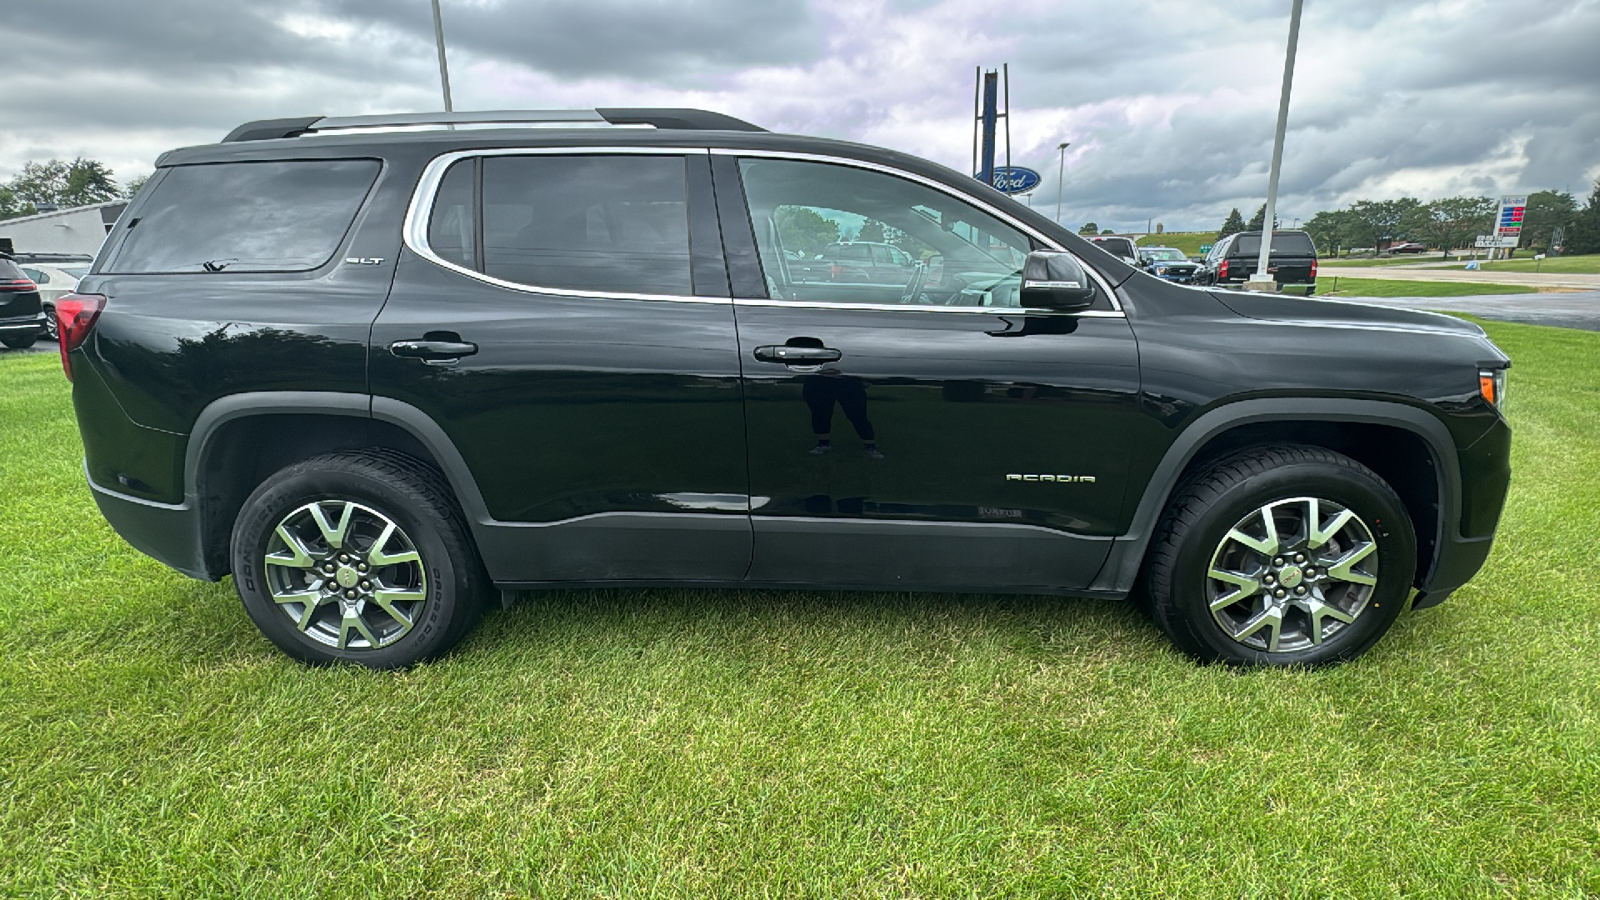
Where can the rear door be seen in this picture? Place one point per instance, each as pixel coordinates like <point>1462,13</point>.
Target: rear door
<point>930,433</point>
<point>564,318</point>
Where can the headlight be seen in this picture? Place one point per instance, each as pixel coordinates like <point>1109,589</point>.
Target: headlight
<point>1492,387</point>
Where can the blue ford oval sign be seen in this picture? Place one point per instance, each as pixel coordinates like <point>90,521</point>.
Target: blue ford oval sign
<point>1015,179</point>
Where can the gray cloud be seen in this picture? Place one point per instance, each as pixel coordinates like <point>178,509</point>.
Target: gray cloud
<point>1169,108</point>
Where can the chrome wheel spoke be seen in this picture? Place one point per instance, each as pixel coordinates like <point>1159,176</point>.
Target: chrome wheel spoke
<point>1270,618</point>
<point>352,621</point>
<point>1343,567</point>
<point>312,599</point>
<point>299,555</point>
<point>333,533</point>
<point>1265,546</point>
<point>1320,534</point>
<point>1244,586</point>
<point>377,558</point>
<point>1318,609</point>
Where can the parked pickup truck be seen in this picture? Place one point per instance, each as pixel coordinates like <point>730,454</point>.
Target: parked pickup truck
<point>1292,262</point>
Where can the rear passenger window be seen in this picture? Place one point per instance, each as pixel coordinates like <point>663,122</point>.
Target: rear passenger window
<point>287,216</point>
<point>452,229</point>
<point>592,223</point>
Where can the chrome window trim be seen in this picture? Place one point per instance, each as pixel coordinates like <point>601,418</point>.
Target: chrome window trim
<point>414,230</point>
<point>942,188</point>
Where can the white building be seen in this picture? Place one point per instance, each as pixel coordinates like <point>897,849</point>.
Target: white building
<point>81,229</point>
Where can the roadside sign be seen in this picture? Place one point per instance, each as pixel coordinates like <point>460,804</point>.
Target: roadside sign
<point>1015,179</point>
<point>1490,241</point>
<point>1508,223</point>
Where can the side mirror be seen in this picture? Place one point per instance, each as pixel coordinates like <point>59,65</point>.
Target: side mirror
<point>1052,279</point>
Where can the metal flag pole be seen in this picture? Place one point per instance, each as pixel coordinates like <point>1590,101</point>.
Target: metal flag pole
<point>444,69</point>
<point>1061,174</point>
<point>1262,280</point>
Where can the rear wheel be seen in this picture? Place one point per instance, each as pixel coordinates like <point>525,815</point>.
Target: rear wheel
<point>50,322</point>
<point>1285,555</point>
<point>18,342</point>
<point>357,557</point>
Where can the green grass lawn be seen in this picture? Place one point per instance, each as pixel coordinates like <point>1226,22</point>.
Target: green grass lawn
<point>750,744</point>
<point>1353,262</point>
<point>1336,286</point>
<point>1563,265</point>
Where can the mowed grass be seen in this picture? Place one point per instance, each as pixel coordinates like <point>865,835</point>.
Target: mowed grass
<point>684,743</point>
<point>1338,286</point>
<point>1562,265</point>
<point>1362,262</point>
<point>1187,241</point>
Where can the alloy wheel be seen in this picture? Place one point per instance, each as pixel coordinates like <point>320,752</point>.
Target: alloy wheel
<point>347,575</point>
<point>1292,574</point>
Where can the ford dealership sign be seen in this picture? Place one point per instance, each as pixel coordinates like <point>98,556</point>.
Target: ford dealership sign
<point>1015,179</point>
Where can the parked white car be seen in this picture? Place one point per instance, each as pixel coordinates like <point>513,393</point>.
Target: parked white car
<point>55,280</point>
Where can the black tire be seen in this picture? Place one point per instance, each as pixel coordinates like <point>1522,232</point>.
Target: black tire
<point>50,323</point>
<point>19,342</point>
<point>367,489</point>
<point>1198,529</point>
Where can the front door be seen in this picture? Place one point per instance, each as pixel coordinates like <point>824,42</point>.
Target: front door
<point>566,321</point>
<point>926,433</point>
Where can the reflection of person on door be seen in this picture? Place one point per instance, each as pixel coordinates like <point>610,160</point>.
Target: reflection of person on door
<point>828,387</point>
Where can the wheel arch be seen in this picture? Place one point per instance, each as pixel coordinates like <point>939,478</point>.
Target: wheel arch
<point>239,441</point>
<point>1406,446</point>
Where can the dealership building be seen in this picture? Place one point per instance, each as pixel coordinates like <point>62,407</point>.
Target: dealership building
<point>80,230</point>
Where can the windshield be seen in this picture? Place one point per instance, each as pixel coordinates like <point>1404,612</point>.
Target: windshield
<point>1163,254</point>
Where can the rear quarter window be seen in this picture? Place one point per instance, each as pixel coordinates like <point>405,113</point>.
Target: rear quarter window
<point>278,216</point>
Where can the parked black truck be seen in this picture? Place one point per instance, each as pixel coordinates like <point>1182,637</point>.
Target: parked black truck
<point>1292,261</point>
<point>376,375</point>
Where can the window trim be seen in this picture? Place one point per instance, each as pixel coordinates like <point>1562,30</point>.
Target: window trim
<point>414,230</point>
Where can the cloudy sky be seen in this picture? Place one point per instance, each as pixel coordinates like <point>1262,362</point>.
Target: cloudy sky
<point>1168,104</point>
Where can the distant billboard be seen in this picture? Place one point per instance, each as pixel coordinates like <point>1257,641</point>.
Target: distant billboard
<point>1508,222</point>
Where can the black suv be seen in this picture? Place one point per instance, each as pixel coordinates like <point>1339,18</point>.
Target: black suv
<point>22,318</point>
<point>375,376</point>
<point>1292,261</point>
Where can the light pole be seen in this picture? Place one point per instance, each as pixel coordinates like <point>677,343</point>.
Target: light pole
<point>1061,172</point>
<point>444,70</point>
<point>1262,280</point>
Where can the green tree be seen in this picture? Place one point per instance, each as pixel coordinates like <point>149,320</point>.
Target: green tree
<point>1257,220</point>
<point>804,230</point>
<point>1089,228</point>
<point>1450,222</point>
<point>1547,211</point>
<point>872,231</point>
<point>1584,235</point>
<point>1332,230</point>
<point>77,183</point>
<point>134,185</point>
<point>1383,221</point>
<point>1232,225</point>
<point>12,206</point>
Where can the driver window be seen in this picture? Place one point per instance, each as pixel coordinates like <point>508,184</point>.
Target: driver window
<point>837,234</point>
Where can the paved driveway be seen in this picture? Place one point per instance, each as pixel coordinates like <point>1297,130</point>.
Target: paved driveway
<point>1580,309</point>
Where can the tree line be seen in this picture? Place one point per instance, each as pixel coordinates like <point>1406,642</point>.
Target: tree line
<point>64,184</point>
<point>1552,218</point>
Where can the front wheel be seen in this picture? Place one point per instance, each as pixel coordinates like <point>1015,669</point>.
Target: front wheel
<point>1283,555</point>
<point>357,557</point>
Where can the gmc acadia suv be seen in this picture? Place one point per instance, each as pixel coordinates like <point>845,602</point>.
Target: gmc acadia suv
<point>377,375</point>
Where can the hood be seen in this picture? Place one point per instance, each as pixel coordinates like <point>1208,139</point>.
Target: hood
<point>1340,312</point>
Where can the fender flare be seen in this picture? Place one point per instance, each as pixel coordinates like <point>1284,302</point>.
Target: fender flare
<point>1121,568</point>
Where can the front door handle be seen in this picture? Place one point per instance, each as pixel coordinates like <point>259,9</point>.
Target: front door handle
<point>433,351</point>
<point>797,356</point>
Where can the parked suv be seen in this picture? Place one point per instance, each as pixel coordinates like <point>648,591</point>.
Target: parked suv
<point>377,376</point>
<point>21,315</point>
<point>859,262</point>
<point>1292,261</point>
<point>1168,264</point>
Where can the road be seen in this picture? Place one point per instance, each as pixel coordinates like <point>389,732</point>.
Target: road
<point>1577,309</point>
<point>1459,275</point>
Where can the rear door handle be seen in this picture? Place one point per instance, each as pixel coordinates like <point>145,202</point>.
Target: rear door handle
<point>439,352</point>
<point>797,356</point>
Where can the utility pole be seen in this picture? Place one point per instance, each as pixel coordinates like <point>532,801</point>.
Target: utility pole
<point>1061,175</point>
<point>444,69</point>
<point>1262,280</point>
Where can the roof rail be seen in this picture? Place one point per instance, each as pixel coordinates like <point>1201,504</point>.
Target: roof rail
<point>678,119</point>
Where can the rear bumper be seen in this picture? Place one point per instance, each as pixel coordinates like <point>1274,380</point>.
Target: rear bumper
<point>168,533</point>
<point>21,325</point>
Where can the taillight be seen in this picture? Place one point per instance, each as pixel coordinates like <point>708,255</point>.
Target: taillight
<point>833,272</point>
<point>1313,270</point>
<point>18,285</point>
<point>1222,269</point>
<point>75,316</point>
